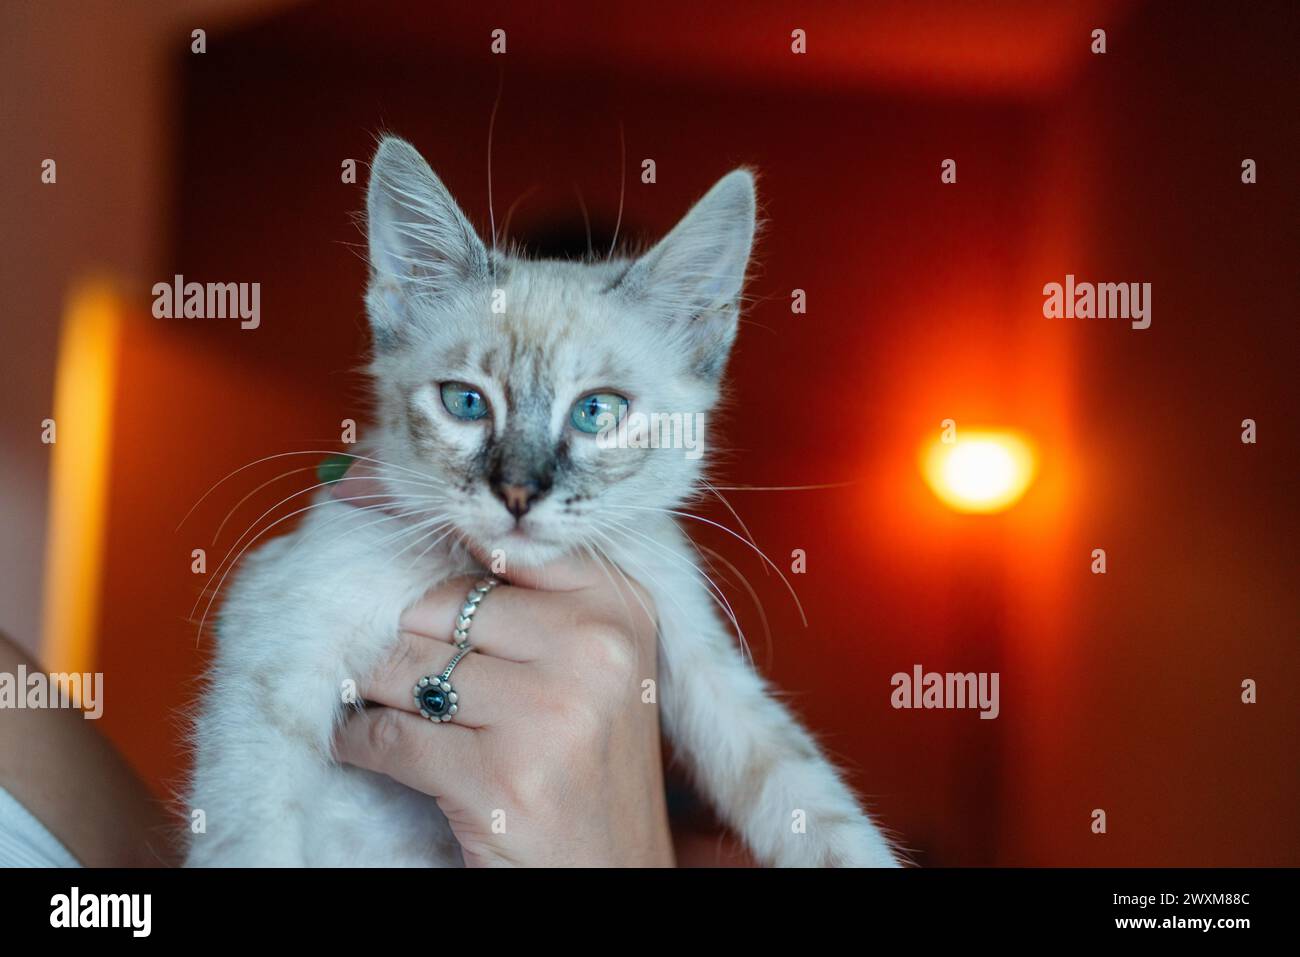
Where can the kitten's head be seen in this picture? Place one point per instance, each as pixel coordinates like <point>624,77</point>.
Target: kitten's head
<point>500,377</point>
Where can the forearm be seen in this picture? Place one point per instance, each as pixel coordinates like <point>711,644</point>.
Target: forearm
<point>58,765</point>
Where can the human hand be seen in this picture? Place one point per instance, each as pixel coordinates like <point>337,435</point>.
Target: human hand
<point>552,758</point>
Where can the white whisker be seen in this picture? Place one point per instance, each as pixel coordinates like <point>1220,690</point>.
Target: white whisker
<point>622,185</point>
<point>649,614</point>
<point>736,515</point>
<point>280,455</point>
<point>753,594</point>
<point>758,551</point>
<point>255,538</point>
<point>716,594</point>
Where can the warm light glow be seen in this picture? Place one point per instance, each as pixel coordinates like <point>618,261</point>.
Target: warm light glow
<point>982,471</point>
<point>79,460</point>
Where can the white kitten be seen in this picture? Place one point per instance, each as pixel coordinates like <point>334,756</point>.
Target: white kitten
<point>320,607</point>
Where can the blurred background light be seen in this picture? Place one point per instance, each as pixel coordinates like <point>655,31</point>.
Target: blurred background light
<point>84,383</point>
<point>980,471</point>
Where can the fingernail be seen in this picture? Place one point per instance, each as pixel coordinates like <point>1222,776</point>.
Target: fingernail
<point>333,468</point>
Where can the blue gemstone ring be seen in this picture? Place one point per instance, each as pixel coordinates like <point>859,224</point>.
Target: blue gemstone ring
<point>434,694</point>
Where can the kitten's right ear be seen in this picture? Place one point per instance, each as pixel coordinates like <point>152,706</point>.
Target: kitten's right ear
<point>693,277</point>
<point>421,244</point>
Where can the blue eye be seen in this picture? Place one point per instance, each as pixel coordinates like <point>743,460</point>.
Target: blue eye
<point>589,412</point>
<point>464,401</point>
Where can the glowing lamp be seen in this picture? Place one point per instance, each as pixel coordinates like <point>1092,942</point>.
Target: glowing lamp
<point>981,471</point>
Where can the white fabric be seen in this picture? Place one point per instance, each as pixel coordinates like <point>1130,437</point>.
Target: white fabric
<point>25,841</point>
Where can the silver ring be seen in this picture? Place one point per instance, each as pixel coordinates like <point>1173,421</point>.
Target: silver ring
<point>434,694</point>
<point>466,616</point>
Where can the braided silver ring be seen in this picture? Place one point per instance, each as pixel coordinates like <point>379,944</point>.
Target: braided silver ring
<point>465,617</point>
<point>434,694</point>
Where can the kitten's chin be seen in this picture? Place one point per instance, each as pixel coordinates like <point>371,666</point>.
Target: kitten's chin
<point>524,547</point>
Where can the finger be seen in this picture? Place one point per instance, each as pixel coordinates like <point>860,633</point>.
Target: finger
<point>605,583</point>
<point>523,626</point>
<point>354,489</point>
<point>502,623</point>
<point>440,761</point>
<point>572,572</point>
<point>487,689</point>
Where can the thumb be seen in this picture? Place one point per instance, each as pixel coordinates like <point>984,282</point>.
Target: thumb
<point>353,482</point>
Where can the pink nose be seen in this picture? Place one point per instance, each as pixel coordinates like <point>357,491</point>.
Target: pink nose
<point>517,498</point>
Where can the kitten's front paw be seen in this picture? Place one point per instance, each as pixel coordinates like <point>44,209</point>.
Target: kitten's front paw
<point>856,843</point>
<point>869,851</point>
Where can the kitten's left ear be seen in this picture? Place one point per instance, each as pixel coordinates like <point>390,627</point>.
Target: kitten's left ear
<point>694,275</point>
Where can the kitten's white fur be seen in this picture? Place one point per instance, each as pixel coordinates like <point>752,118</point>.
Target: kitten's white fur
<point>320,607</point>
